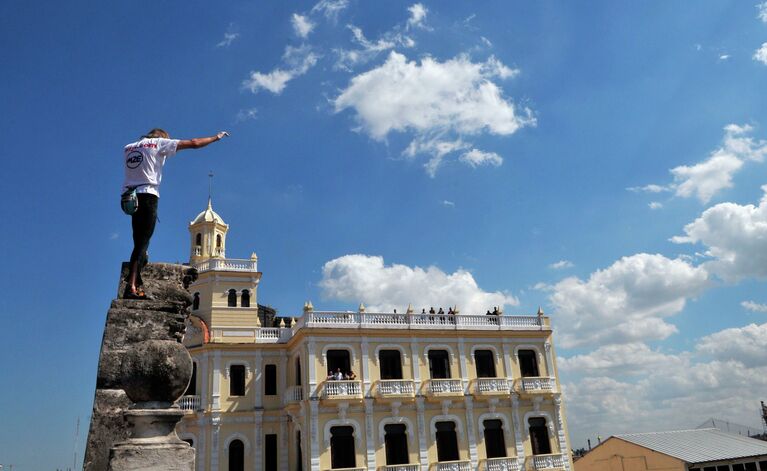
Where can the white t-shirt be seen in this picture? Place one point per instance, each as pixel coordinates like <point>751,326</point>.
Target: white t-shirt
<point>143,163</point>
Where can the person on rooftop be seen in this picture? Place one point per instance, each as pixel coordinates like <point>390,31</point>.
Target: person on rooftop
<point>144,160</point>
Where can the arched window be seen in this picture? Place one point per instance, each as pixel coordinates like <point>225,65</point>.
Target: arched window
<point>298,371</point>
<point>390,363</point>
<point>198,239</point>
<point>299,452</point>
<point>342,453</point>
<point>236,456</point>
<point>539,436</point>
<point>218,241</point>
<point>245,298</point>
<point>528,363</point>
<point>447,442</point>
<point>495,445</point>
<point>395,442</point>
<point>196,302</point>
<point>484,360</point>
<point>231,300</point>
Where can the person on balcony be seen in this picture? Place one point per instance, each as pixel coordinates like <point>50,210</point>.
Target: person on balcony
<point>144,160</point>
<point>350,376</point>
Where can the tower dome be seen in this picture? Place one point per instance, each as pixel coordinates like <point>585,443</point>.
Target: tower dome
<point>208,233</point>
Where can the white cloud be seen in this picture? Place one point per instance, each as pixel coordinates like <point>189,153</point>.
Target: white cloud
<point>246,114</point>
<point>229,38</point>
<point>330,8</point>
<point>652,188</point>
<point>705,179</point>
<point>655,205</point>
<point>417,15</point>
<point>298,59</point>
<point>365,278</point>
<point>747,345</point>
<point>447,203</point>
<point>762,14</point>
<point>724,57</point>
<point>561,265</point>
<point>486,41</point>
<point>454,95</point>
<point>302,26</point>
<point>760,55</point>
<point>634,358</point>
<point>475,157</point>
<point>114,236</point>
<point>754,307</point>
<point>735,236</point>
<point>437,148</point>
<point>626,302</point>
<point>348,58</point>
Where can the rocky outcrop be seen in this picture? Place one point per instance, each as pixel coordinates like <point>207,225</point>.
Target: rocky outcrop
<point>139,353</point>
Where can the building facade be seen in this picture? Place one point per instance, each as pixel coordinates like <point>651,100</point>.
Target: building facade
<point>412,391</point>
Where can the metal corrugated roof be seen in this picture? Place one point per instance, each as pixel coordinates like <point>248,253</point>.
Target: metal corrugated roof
<point>700,445</point>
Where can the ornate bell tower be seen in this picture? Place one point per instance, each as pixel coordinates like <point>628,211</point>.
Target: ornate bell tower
<point>208,236</point>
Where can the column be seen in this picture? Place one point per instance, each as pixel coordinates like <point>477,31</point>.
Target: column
<point>200,446</point>
<point>370,436</point>
<point>462,364</point>
<point>259,390</point>
<point>215,423</point>
<point>415,361</point>
<point>507,362</point>
<point>216,393</point>
<point>310,364</point>
<point>365,369</point>
<point>282,374</point>
<point>422,442</point>
<point>314,433</point>
<point>563,448</point>
<point>202,366</point>
<point>518,438</point>
<point>549,360</point>
<point>470,431</point>
<point>258,461</point>
<point>283,463</point>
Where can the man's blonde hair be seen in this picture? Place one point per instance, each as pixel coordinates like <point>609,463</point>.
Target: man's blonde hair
<point>156,132</point>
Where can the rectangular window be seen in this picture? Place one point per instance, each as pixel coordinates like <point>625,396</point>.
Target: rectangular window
<point>763,465</point>
<point>391,364</point>
<point>750,466</point>
<point>270,380</point>
<point>270,452</point>
<point>439,364</point>
<point>738,467</point>
<point>485,363</point>
<point>726,467</point>
<point>709,468</point>
<point>237,380</point>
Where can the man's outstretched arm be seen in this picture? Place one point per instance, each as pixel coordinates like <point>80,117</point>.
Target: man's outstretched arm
<point>198,142</point>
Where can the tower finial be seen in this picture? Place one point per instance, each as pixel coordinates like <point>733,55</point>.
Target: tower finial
<point>210,188</point>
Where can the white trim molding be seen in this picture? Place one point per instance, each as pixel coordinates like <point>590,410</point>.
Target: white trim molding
<point>539,413</point>
<point>446,418</point>
<point>231,363</point>
<point>341,423</point>
<point>237,436</point>
<point>389,346</point>
<point>505,422</point>
<point>438,346</point>
<point>410,430</point>
<point>338,346</point>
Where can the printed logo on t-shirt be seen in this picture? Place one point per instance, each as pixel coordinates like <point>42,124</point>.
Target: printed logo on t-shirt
<point>134,159</point>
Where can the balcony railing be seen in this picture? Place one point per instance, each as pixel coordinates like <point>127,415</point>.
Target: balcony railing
<point>348,469</point>
<point>342,389</point>
<point>251,335</point>
<point>491,385</point>
<point>227,264</point>
<point>452,466</point>
<point>555,461</point>
<point>400,467</point>
<point>189,403</point>
<point>295,394</point>
<point>421,321</point>
<point>540,384</point>
<point>501,464</point>
<point>396,387</point>
<point>445,386</point>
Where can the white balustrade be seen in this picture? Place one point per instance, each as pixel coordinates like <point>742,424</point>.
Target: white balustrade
<point>491,385</point>
<point>198,251</point>
<point>398,387</point>
<point>342,388</point>
<point>555,461</point>
<point>227,264</point>
<point>400,467</point>
<point>295,393</point>
<point>420,321</point>
<point>189,402</point>
<point>538,384</point>
<point>453,466</point>
<point>445,386</point>
<point>501,464</point>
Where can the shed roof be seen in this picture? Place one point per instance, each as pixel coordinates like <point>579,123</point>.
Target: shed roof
<point>699,445</point>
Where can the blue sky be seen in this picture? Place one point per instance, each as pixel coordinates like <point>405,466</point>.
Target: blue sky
<point>605,163</point>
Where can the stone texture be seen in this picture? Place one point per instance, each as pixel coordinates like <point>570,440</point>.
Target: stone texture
<point>128,323</point>
<point>156,370</point>
<point>146,458</point>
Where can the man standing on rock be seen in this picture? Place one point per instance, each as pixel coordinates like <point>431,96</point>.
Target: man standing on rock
<point>144,160</point>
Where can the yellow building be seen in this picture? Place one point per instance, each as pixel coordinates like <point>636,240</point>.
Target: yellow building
<point>429,392</point>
